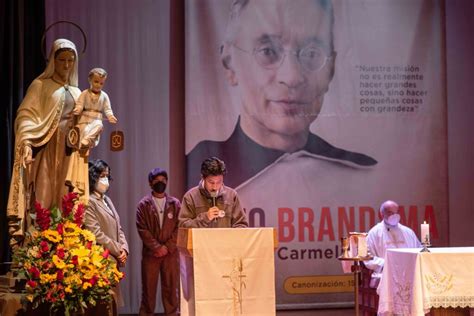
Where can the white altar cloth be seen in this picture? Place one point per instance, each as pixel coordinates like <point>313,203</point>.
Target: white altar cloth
<point>413,281</point>
<point>227,271</point>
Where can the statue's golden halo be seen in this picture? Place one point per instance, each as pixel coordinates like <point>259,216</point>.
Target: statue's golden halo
<point>43,38</point>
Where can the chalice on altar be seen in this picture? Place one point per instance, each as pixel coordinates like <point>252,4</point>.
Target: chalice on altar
<point>345,247</point>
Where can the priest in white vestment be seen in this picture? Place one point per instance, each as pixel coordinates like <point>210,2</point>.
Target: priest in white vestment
<point>387,234</point>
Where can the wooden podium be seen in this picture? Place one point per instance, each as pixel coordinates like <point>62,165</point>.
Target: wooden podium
<point>227,271</point>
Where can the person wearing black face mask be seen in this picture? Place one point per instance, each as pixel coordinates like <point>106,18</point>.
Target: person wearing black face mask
<point>159,187</point>
<point>157,225</point>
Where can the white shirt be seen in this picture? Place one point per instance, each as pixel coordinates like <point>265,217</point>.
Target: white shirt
<point>382,237</point>
<point>160,206</point>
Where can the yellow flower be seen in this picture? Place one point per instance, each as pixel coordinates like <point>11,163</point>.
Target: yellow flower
<point>71,242</point>
<point>86,285</point>
<point>58,262</point>
<point>117,275</point>
<point>97,248</point>
<point>51,235</point>
<point>30,297</point>
<point>88,235</point>
<point>68,289</point>
<point>47,278</point>
<point>71,229</point>
<point>80,252</point>
<point>74,279</point>
<point>89,271</point>
<point>97,260</point>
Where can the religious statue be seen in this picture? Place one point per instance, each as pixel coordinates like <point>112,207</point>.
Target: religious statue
<point>92,104</point>
<point>41,158</point>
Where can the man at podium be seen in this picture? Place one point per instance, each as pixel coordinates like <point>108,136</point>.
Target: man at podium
<point>211,204</point>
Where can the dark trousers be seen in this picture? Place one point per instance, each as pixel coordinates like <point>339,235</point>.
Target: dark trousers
<point>166,268</point>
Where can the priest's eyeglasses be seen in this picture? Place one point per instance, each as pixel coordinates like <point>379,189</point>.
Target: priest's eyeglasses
<point>270,55</point>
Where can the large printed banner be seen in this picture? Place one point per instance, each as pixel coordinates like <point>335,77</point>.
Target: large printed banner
<point>321,112</point>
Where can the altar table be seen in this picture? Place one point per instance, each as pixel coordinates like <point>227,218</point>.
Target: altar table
<point>413,282</point>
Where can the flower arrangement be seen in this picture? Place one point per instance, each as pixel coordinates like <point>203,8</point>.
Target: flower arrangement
<point>62,263</point>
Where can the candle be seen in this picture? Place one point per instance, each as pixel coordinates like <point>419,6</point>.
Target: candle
<point>425,233</point>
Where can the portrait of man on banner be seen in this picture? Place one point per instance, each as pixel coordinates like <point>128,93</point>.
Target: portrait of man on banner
<point>282,70</point>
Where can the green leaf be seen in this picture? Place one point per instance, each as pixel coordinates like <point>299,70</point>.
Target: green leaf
<point>56,215</point>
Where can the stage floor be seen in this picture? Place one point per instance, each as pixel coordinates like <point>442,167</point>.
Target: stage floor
<point>312,312</point>
<point>318,312</point>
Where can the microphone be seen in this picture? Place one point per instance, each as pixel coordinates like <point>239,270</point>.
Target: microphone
<point>213,195</point>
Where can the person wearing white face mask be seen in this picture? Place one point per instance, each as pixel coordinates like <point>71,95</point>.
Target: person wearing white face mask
<point>102,219</point>
<point>389,233</point>
<point>102,185</point>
